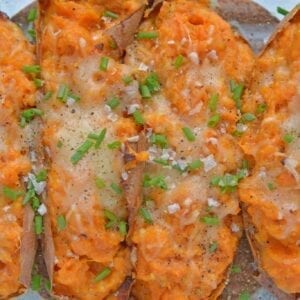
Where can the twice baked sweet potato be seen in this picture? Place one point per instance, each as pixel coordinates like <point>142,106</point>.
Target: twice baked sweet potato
<point>192,69</point>
<point>271,193</point>
<point>17,93</point>
<point>88,134</point>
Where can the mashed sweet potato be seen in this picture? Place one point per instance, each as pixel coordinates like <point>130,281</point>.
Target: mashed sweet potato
<point>192,70</point>
<point>16,93</point>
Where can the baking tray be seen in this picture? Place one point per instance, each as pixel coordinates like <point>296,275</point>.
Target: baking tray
<point>255,24</point>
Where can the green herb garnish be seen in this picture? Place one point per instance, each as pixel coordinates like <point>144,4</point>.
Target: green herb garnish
<point>61,223</point>
<point>178,61</point>
<point>214,121</point>
<point>159,140</point>
<point>110,14</point>
<point>210,220</point>
<point>28,115</point>
<point>103,274</point>
<point>237,91</point>
<point>213,102</point>
<point>146,215</point>
<point>190,136</point>
<point>81,152</point>
<point>282,11</point>
<point>113,102</point>
<point>148,35</point>
<point>31,69</point>
<point>38,224</point>
<point>104,63</point>
<point>156,181</point>
<point>11,193</point>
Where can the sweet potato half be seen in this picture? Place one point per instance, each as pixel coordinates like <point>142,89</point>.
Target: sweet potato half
<point>17,93</point>
<point>192,69</point>
<point>271,193</point>
<point>90,137</point>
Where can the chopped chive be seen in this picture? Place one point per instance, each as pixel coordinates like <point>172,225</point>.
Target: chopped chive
<point>110,14</point>
<point>47,96</point>
<point>114,145</point>
<point>48,285</point>
<point>32,34</point>
<point>11,194</point>
<point>30,194</point>
<point>41,176</point>
<point>122,228</point>
<point>156,181</point>
<point>138,118</point>
<point>237,91</point>
<point>145,92</point>
<point>159,140</point>
<point>127,79</point>
<point>38,224</point>
<point>210,220</point>
<point>63,92</point>
<point>235,269</point>
<point>228,182</point>
<point>101,138</point>
<point>110,216</point>
<point>189,134</point>
<point>104,63</point>
<point>81,152</point>
<point>178,61</point>
<point>261,108</point>
<point>213,247</point>
<point>113,102</point>
<point>28,115</point>
<point>148,35</point>
<point>237,133</point>
<point>98,138</point>
<point>152,82</point>
<point>213,102</point>
<point>32,14</point>
<point>103,274</point>
<point>117,189</point>
<point>288,138</point>
<point>73,96</point>
<point>36,282</point>
<point>161,161</point>
<point>35,202</point>
<point>214,121</point>
<point>61,223</point>
<point>38,82</point>
<point>244,296</point>
<point>282,11</point>
<point>248,117</point>
<point>144,212</point>
<point>195,165</point>
<point>271,186</point>
<point>100,183</point>
<point>31,69</point>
